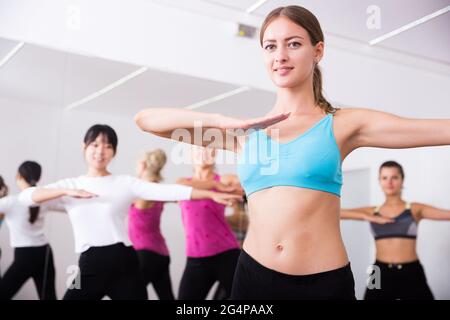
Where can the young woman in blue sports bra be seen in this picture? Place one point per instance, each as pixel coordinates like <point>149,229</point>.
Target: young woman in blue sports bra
<point>394,227</point>
<point>290,165</point>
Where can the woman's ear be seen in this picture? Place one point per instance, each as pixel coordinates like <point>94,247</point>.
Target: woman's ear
<point>319,49</point>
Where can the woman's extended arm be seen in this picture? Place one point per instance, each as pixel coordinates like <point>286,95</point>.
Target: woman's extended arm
<point>200,128</point>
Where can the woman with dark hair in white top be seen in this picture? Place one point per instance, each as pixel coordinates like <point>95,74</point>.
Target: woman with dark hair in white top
<point>33,257</point>
<point>108,264</point>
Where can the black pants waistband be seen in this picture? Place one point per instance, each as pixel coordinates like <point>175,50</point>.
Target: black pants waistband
<point>399,266</point>
<point>246,258</point>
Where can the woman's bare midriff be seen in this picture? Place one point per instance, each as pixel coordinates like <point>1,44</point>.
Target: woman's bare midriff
<point>396,250</point>
<point>295,230</point>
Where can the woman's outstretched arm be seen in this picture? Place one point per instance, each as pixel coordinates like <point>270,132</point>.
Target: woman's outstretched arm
<point>37,195</point>
<point>200,128</point>
<point>428,212</point>
<point>385,130</point>
<point>365,214</point>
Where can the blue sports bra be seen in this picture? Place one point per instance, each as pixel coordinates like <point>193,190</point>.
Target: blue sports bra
<point>312,160</point>
<point>404,226</point>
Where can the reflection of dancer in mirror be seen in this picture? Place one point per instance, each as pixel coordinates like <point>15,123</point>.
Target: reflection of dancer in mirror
<point>394,227</point>
<point>211,247</point>
<point>97,204</point>
<point>33,257</point>
<point>144,218</point>
<point>293,248</point>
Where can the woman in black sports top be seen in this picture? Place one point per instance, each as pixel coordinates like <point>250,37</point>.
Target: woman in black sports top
<point>394,227</point>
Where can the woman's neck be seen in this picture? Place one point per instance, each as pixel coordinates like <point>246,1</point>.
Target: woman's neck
<point>24,185</point>
<point>393,201</point>
<point>203,173</point>
<point>147,178</point>
<point>93,172</point>
<point>298,101</point>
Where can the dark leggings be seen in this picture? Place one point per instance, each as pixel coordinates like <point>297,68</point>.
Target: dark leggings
<point>111,271</point>
<point>200,275</point>
<point>30,262</point>
<point>155,270</point>
<point>255,281</point>
<point>400,282</point>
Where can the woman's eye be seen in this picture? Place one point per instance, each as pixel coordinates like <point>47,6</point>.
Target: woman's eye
<point>294,44</point>
<point>269,47</point>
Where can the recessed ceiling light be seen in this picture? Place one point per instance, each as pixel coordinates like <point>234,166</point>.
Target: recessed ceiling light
<point>10,54</point>
<point>106,89</point>
<point>217,98</point>
<point>255,6</point>
<point>409,26</point>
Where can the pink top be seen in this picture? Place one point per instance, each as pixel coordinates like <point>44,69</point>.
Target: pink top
<point>144,231</point>
<point>207,232</point>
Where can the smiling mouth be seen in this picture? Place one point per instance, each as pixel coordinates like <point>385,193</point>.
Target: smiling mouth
<point>283,69</point>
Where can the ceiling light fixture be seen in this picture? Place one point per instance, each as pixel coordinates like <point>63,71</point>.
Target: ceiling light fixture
<point>409,26</point>
<point>106,89</point>
<point>217,98</point>
<point>255,6</point>
<point>10,54</point>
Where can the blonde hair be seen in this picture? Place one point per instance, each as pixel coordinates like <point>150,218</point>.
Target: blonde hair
<point>154,162</point>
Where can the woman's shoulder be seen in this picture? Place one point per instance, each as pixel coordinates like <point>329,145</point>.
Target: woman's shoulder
<point>343,113</point>
<point>416,208</point>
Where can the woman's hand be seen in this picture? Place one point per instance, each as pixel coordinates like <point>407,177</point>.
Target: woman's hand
<point>379,219</point>
<point>225,198</point>
<point>79,194</point>
<point>221,187</point>
<point>229,188</point>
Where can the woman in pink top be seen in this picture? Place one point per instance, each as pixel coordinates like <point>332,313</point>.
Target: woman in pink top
<point>211,247</point>
<point>144,229</point>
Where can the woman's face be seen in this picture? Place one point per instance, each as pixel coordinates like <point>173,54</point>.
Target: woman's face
<point>203,157</point>
<point>99,153</point>
<point>391,181</point>
<point>288,53</point>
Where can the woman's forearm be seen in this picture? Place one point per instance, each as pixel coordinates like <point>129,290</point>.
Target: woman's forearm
<point>208,185</point>
<point>353,215</point>
<point>198,194</point>
<point>164,120</point>
<point>42,194</point>
<point>34,195</point>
